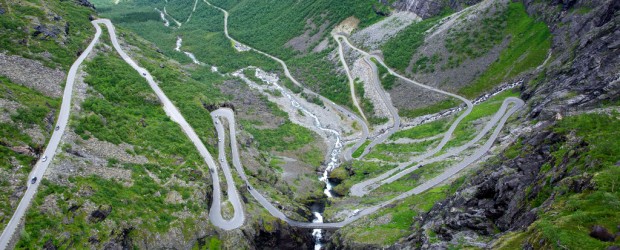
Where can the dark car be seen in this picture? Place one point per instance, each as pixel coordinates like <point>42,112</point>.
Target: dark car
<point>34,180</point>
<point>249,187</point>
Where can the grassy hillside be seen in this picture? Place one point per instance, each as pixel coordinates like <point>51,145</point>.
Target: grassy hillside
<point>270,25</point>
<point>522,40</point>
<point>66,21</point>
<point>530,41</point>
<point>126,112</point>
<point>203,35</point>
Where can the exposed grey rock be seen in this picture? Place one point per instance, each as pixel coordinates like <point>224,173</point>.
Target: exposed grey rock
<point>586,62</point>
<point>429,8</point>
<point>601,233</point>
<point>32,74</point>
<point>45,32</point>
<point>100,214</point>
<point>86,3</point>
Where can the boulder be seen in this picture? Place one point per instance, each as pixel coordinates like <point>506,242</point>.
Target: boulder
<point>601,233</point>
<point>100,214</point>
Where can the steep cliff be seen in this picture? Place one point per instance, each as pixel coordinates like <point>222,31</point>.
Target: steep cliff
<point>555,187</point>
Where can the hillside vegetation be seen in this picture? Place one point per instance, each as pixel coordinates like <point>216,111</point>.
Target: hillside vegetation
<point>53,32</point>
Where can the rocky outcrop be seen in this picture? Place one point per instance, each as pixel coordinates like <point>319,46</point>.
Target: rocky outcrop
<point>100,214</point>
<point>32,74</point>
<point>46,32</point>
<point>86,3</point>
<point>506,195</point>
<point>283,236</point>
<point>586,69</point>
<point>430,8</point>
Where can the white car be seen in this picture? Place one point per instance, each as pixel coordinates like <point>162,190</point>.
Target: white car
<point>221,160</point>
<point>355,212</point>
<point>44,159</point>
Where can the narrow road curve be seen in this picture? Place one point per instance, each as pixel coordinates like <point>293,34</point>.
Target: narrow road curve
<point>360,189</point>
<point>215,214</point>
<point>351,81</point>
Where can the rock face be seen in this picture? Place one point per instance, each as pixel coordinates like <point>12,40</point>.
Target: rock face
<point>499,197</point>
<point>494,197</point>
<point>587,48</point>
<point>429,8</point>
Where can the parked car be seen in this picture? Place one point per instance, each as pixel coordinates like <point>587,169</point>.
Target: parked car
<point>34,180</point>
<point>44,159</point>
<point>249,187</point>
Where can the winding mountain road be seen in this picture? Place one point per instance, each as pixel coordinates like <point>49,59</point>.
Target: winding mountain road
<point>361,188</point>
<point>215,214</point>
<point>238,218</point>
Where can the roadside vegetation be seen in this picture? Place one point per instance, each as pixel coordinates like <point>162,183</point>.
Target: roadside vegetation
<point>470,126</point>
<point>357,171</point>
<point>319,75</point>
<point>430,109</point>
<point>422,131</point>
<point>387,80</point>
<point>14,134</point>
<point>359,151</point>
<point>412,180</point>
<point>397,152</point>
